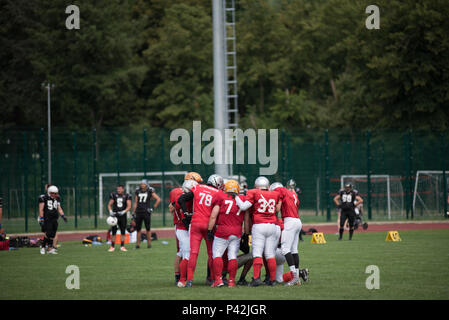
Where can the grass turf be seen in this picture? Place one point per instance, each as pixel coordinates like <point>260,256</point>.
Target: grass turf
<point>415,268</point>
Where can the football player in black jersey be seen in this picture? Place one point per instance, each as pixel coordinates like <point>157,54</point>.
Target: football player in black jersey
<point>119,204</point>
<point>347,199</point>
<point>142,210</point>
<point>49,211</point>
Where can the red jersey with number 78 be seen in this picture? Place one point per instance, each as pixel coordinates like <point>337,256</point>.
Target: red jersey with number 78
<point>204,199</point>
<point>263,205</point>
<point>230,217</point>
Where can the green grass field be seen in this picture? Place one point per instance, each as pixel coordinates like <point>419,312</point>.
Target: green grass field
<point>416,268</point>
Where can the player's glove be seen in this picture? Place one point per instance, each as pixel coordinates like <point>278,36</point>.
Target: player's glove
<point>210,235</point>
<point>121,213</point>
<point>150,210</point>
<point>111,213</point>
<point>244,243</point>
<point>186,221</point>
<point>41,221</point>
<point>64,218</point>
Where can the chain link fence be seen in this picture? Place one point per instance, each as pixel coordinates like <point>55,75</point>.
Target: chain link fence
<point>400,175</point>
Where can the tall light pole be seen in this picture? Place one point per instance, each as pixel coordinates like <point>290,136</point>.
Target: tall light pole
<point>49,86</point>
<point>220,116</point>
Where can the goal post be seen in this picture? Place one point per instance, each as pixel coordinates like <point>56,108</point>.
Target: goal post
<point>108,181</point>
<point>387,194</point>
<point>429,194</point>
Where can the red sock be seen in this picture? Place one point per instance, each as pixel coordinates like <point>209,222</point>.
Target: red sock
<point>232,269</point>
<point>272,267</point>
<point>191,266</point>
<point>257,265</point>
<point>183,269</point>
<point>218,268</point>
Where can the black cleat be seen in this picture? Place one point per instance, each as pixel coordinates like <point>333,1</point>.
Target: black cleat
<point>242,282</point>
<point>267,280</point>
<point>256,282</point>
<point>137,247</point>
<point>304,274</point>
<point>189,284</point>
<point>340,238</point>
<point>271,283</point>
<point>209,282</point>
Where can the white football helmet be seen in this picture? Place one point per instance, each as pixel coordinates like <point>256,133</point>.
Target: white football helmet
<point>52,189</point>
<point>262,183</point>
<point>188,185</point>
<point>275,185</point>
<point>216,181</point>
<point>112,221</point>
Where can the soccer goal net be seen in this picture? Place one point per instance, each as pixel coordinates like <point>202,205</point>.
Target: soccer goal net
<point>162,182</point>
<point>387,195</point>
<point>429,194</point>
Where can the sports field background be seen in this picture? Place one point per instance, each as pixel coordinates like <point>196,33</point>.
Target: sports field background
<point>415,268</point>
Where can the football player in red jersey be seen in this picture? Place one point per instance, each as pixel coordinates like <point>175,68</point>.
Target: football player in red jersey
<point>204,198</point>
<point>227,217</point>
<point>182,233</point>
<point>265,204</point>
<point>290,233</point>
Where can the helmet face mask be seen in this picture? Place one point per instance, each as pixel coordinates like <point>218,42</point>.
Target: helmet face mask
<point>262,183</point>
<point>348,187</point>
<point>291,184</point>
<point>53,191</point>
<point>216,181</point>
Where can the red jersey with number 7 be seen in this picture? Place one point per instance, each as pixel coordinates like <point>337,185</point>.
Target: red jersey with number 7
<point>204,199</point>
<point>230,218</point>
<point>263,205</point>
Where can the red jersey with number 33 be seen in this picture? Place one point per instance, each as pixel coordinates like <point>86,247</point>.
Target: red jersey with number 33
<point>290,203</point>
<point>264,205</point>
<point>178,215</point>
<point>230,218</point>
<point>204,199</point>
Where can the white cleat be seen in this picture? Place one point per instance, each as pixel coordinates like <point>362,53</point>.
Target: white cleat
<point>294,281</point>
<point>52,251</point>
<point>42,250</point>
<point>123,249</point>
<point>111,249</point>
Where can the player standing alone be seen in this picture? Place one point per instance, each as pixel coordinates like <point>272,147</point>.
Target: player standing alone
<point>264,205</point>
<point>49,211</point>
<point>119,204</point>
<point>142,211</point>
<point>349,199</point>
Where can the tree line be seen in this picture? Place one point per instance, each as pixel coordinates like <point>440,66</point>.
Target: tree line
<point>301,64</point>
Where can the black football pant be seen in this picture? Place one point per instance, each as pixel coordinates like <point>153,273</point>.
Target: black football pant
<point>121,223</point>
<point>347,214</point>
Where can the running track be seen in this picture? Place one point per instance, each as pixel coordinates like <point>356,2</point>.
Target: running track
<point>321,227</point>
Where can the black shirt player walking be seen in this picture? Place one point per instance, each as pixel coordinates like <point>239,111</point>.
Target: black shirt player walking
<point>347,199</point>
<point>119,204</point>
<point>142,209</point>
<point>49,211</point>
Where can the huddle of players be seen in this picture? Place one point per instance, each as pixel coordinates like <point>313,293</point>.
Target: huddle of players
<point>120,204</point>
<point>217,211</point>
